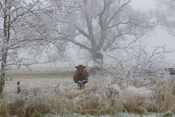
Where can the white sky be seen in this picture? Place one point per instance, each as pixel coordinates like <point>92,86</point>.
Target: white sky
<point>160,37</point>
<point>143,4</point>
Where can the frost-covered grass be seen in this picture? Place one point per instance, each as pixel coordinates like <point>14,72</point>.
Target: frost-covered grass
<point>54,93</point>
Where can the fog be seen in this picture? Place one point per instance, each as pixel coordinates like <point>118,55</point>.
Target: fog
<point>159,37</point>
<point>143,4</point>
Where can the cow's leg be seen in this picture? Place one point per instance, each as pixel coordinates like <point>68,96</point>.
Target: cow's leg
<point>83,86</point>
<point>79,85</point>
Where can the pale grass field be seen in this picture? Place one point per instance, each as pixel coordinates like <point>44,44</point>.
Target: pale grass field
<point>53,93</point>
<point>46,83</point>
<point>46,80</point>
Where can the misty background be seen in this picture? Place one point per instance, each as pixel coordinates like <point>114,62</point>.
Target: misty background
<point>159,38</point>
<point>59,33</point>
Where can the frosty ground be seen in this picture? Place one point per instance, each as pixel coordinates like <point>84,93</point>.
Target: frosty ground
<point>52,92</point>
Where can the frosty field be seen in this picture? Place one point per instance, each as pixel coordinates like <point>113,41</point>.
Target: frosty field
<point>52,92</point>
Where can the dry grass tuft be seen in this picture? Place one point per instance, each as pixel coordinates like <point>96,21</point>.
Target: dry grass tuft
<point>137,100</point>
<point>29,103</point>
<point>165,95</point>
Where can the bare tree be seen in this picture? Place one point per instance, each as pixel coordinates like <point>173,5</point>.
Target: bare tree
<point>17,32</point>
<point>104,25</point>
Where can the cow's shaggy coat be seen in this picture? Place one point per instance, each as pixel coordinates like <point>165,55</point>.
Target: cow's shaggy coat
<point>81,76</point>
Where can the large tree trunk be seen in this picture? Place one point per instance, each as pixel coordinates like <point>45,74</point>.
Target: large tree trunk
<point>1,86</point>
<point>98,62</point>
<point>3,69</point>
<point>4,49</point>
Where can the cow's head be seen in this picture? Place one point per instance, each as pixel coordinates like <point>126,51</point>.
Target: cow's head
<point>80,69</point>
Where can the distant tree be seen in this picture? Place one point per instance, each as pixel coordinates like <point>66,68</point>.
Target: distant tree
<point>166,15</point>
<point>103,25</point>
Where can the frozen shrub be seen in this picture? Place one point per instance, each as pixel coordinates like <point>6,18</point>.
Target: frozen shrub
<point>27,103</point>
<point>137,100</point>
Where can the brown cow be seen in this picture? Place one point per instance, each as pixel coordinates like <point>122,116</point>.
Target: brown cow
<point>170,70</point>
<point>81,76</point>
